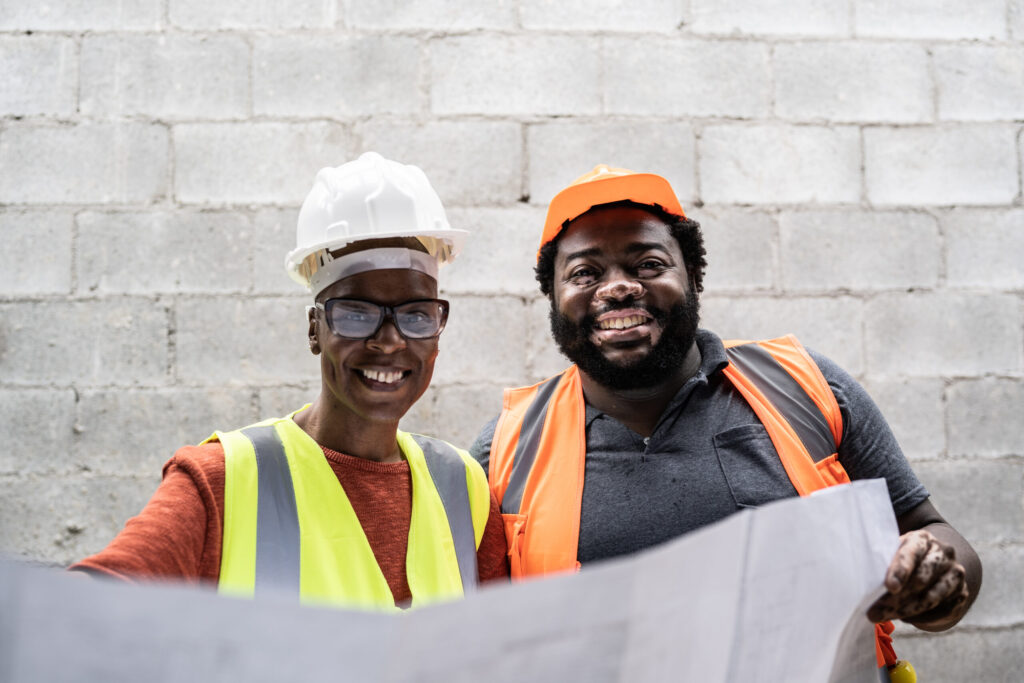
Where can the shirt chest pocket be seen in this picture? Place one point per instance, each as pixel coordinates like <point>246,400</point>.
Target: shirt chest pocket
<point>751,466</point>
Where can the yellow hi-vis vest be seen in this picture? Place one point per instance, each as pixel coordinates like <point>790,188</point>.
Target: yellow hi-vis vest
<point>290,529</point>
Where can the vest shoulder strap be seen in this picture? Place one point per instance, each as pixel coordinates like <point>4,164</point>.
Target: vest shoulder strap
<point>783,373</point>
<point>277,519</point>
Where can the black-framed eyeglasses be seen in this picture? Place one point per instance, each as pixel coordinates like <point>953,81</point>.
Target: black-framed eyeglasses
<point>358,319</point>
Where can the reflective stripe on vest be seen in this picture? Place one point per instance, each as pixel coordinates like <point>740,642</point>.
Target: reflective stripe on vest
<point>526,446</point>
<point>449,476</point>
<point>777,378</point>
<point>277,520</point>
<point>289,527</point>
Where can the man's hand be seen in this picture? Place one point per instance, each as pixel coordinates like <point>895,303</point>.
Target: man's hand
<point>926,586</point>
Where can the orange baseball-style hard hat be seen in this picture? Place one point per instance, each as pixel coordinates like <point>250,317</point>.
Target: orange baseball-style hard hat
<point>604,185</point>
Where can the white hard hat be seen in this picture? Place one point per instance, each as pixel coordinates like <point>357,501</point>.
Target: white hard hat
<point>369,198</point>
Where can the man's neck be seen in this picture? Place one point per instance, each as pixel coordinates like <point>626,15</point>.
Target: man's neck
<point>345,433</point>
<point>640,409</point>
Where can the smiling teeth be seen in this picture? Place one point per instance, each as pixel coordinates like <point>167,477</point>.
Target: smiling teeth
<point>381,376</point>
<point>621,323</point>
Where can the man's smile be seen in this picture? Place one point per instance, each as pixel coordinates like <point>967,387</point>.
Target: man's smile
<point>622,325</point>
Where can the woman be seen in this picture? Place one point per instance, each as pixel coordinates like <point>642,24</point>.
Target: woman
<point>333,503</point>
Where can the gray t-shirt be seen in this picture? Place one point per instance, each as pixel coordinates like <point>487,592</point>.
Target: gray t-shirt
<point>708,457</point>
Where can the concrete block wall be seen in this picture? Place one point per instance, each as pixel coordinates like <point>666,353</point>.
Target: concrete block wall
<point>856,165</point>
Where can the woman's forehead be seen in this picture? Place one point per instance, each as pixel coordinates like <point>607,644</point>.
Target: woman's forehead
<point>385,286</point>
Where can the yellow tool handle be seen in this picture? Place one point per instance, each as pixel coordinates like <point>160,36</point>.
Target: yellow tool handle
<point>903,672</point>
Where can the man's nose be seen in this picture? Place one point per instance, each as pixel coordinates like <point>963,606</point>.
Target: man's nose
<point>619,287</point>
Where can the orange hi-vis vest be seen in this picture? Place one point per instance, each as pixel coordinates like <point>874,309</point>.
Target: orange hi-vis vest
<point>538,454</point>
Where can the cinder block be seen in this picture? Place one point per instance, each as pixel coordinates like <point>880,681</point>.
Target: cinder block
<point>484,341</point>
<point>500,252</point>
<point>336,77</point>
<point>562,151</point>
<point>543,357</point>
<point>37,428</point>
<point>40,75</point>
<point>771,164</point>
<point>141,253</point>
<point>108,439</point>
<point>829,325</point>
<point>467,162</point>
<point>36,258</point>
<point>258,163</point>
<point>443,15</point>
<point>462,410</point>
<point>999,602</point>
<point>765,17</point>
<point>984,417</point>
<point>81,15</point>
<point>914,410</point>
<point>254,340</point>
<point>238,14</point>
<point>165,76</point>
<point>980,82</point>
<point>280,401</point>
<point>604,15</point>
<point>117,342</point>
<point>962,655</point>
<point>65,518</point>
<point>983,248</point>
<point>942,334</point>
<point>273,232</point>
<point>852,82</point>
<point>88,163</point>
<point>532,75</point>
<point>672,77</point>
<point>980,498</point>
<point>828,250</point>
<point>948,19</point>
<point>941,166</point>
<point>741,248</point>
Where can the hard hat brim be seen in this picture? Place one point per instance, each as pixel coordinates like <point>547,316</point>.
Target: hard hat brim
<point>576,200</point>
<point>453,236</point>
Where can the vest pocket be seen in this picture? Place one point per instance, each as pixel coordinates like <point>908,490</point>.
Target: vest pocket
<point>831,471</point>
<point>751,466</point>
<point>515,533</point>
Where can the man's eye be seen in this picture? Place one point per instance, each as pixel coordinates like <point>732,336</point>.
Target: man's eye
<point>582,275</point>
<point>651,265</point>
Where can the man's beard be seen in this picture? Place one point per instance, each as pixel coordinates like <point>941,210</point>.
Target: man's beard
<point>679,329</point>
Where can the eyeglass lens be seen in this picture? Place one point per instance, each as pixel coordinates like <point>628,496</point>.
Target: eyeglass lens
<point>361,319</point>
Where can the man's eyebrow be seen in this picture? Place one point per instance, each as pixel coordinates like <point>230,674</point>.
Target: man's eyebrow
<point>632,248</point>
<point>645,246</point>
<point>583,253</point>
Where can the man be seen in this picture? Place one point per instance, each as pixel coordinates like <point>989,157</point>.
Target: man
<point>658,429</point>
<point>332,503</point>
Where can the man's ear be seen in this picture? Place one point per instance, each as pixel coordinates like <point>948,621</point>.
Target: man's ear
<point>314,339</point>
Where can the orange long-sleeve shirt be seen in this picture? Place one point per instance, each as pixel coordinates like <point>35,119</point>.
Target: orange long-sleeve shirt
<point>177,536</point>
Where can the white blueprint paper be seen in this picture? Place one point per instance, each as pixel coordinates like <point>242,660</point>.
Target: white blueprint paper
<point>775,594</point>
